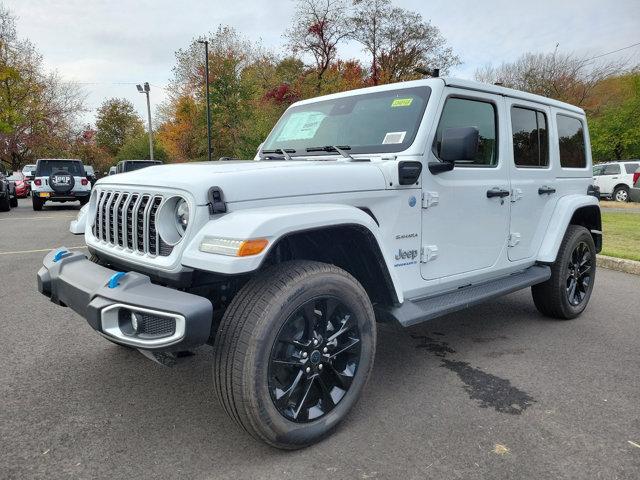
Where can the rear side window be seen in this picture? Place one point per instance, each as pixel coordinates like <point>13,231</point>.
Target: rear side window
<point>530,137</point>
<point>631,167</point>
<point>462,112</point>
<point>611,169</point>
<point>571,138</point>
<point>47,167</point>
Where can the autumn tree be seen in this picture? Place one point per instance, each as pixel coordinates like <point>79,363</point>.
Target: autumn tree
<point>116,121</point>
<point>564,76</point>
<point>136,147</point>
<point>38,110</point>
<point>318,27</point>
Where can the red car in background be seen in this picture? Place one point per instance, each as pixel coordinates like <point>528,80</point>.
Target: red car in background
<point>23,186</point>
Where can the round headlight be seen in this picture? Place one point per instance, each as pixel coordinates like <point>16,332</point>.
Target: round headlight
<point>182,215</point>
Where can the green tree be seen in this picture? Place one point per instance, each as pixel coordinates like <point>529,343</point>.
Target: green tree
<point>116,121</point>
<point>136,147</point>
<point>615,131</point>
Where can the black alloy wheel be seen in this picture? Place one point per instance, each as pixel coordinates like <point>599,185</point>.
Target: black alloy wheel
<point>579,274</point>
<point>314,359</point>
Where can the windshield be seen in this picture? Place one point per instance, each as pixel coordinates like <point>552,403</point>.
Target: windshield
<point>131,166</point>
<point>16,177</point>
<point>379,122</point>
<point>47,167</point>
<point>89,170</point>
<point>28,168</point>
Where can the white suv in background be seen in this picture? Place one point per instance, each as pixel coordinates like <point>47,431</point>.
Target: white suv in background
<point>615,179</point>
<point>59,180</point>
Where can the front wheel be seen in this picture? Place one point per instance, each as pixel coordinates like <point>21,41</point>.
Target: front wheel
<point>566,294</point>
<point>293,352</point>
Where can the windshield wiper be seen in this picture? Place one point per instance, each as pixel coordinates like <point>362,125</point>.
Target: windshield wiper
<point>333,148</point>
<point>282,151</point>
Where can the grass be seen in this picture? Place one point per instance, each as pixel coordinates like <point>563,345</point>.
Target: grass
<point>621,234</point>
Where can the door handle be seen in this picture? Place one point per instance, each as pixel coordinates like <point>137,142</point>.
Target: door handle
<point>546,190</point>
<point>497,192</point>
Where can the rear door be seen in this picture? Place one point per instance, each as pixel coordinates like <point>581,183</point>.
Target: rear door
<point>533,180</point>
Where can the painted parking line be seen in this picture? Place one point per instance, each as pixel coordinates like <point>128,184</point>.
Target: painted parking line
<point>17,252</point>
<point>36,218</point>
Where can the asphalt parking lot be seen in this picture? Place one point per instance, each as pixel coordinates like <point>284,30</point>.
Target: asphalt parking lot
<point>497,392</point>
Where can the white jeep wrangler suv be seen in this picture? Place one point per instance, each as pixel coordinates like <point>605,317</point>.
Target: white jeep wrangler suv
<point>59,180</point>
<point>397,203</point>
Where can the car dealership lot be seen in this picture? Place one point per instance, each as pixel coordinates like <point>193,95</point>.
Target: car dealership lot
<point>494,392</point>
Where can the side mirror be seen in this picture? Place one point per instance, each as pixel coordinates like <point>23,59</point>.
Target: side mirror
<point>459,144</point>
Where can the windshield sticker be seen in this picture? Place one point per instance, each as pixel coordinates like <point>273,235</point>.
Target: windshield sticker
<point>301,126</point>
<point>393,137</point>
<point>401,102</point>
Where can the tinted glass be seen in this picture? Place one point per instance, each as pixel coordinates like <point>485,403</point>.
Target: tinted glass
<point>377,122</point>
<point>631,167</point>
<point>530,137</point>
<point>597,170</point>
<point>462,112</point>
<point>47,167</point>
<point>611,169</point>
<point>571,138</point>
<point>131,166</point>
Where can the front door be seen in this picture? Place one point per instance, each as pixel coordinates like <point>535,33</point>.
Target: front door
<point>533,180</point>
<point>465,215</point>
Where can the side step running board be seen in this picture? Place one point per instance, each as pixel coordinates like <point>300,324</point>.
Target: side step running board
<point>412,312</point>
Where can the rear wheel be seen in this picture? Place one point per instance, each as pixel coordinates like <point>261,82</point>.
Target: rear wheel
<point>37,203</point>
<point>621,194</point>
<point>13,202</point>
<point>5,204</point>
<point>293,352</point>
<point>566,294</point>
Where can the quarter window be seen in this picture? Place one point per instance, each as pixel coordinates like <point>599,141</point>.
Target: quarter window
<point>571,138</point>
<point>631,167</point>
<point>462,112</point>
<point>530,137</point>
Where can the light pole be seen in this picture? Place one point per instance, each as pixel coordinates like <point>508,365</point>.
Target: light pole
<point>206,82</point>
<point>145,90</point>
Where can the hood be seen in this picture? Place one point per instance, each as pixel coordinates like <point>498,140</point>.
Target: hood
<point>256,180</point>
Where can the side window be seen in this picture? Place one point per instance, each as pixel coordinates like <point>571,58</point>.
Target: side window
<point>612,169</point>
<point>462,112</point>
<point>530,137</point>
<point>631,167</point>
<point>571,138</point>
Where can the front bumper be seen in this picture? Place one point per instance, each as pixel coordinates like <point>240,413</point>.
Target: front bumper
<point>108,300</point>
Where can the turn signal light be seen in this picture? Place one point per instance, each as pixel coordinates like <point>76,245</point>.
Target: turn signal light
<point>233,247</point>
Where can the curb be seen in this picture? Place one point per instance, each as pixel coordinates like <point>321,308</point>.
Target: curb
<point>619,264</point>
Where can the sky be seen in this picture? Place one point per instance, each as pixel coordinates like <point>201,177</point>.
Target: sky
<point>107,46</point>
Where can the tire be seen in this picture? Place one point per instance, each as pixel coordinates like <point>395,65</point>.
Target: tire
<point>552,298</point>
<point>37,203</point>
<point>5,204</point>
<point>13,202</point>
<point>621,194</point>
<point>250,336</point>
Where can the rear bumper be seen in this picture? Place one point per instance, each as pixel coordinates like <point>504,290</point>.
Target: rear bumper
<point>634,194</point>
<point>59,197</point>
<point>108,305</point>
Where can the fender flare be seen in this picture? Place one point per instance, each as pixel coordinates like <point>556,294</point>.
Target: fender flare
<point>562,214</point>
<point>274,223</point>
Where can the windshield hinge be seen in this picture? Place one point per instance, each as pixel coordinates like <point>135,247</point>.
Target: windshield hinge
<point>216,201</point>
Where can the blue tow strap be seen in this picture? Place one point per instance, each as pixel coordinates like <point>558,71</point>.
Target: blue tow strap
<point>59,255</point>
<point>115,279</point>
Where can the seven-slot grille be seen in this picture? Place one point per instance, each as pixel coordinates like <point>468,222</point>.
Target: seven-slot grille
<point>128,220</point>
